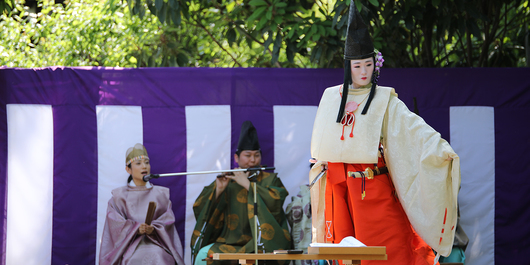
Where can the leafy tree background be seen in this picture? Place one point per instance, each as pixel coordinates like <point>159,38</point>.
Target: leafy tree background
<point>80,33</point>
<point>259,33</point>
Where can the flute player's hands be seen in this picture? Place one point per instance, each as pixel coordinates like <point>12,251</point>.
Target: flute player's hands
<point>242,179</point>
<point>221,183</point>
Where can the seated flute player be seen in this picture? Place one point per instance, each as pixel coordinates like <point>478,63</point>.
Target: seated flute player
<point>127,239</point>
<point>225,209</point>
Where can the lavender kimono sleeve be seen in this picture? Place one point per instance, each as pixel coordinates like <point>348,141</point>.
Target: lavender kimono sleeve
<point>117,234</point>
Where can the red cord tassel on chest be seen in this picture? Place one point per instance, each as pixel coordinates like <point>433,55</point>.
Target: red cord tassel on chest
<point>349,117</point>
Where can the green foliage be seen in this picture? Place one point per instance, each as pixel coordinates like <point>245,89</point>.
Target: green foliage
<point>310,33</point>
<point>6,6</point>
<point>261,33</point>
<point>450,33</point>
<point>255,33</point>
<point>83,33</point>
<point>305,33</point>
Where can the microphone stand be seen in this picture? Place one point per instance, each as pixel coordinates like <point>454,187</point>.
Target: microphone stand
<point>198,242</point>
<point>253,179</point>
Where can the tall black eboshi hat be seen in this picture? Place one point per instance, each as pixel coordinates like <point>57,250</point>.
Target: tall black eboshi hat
<point>358,45</point>
<point>248,138</point>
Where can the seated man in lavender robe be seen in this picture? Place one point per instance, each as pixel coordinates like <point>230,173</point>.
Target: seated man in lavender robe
<point>127,239</point>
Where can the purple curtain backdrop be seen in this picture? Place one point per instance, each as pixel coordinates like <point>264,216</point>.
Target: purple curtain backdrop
<point>163,94</point>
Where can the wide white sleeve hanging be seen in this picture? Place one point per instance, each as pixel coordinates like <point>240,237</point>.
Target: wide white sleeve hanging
<point>426,173</point>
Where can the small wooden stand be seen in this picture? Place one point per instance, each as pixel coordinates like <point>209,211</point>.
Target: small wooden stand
<point>348,255</point>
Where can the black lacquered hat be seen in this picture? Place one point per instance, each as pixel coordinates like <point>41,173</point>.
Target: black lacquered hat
<point>248,138</point>
<point>358,43</point>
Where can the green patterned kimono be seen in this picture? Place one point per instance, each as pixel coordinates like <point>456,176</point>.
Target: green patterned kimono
<point>229,221</point>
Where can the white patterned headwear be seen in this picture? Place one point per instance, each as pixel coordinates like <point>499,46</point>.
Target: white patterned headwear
<point>134,153</point>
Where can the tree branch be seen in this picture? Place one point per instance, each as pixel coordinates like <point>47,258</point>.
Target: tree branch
<point>490,30</point>
<point>412,48</point>
<point>469,46</point>
<point>461,43</point>
<point>215,40</point>
<point>262,43</point>
<point>444,49</point>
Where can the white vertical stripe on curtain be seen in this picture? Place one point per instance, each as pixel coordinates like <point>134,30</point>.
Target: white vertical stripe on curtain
<point>293,126</point>
<point>119,127</point>
<point>208,141</point>
<point>30,184</point>
<point>473,138</point>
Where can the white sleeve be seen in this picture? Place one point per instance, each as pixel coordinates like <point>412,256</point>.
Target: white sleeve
<point>426,173</point>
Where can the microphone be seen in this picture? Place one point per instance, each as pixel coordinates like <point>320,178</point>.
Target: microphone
<point>146,178</point>
<point>255,171</point>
